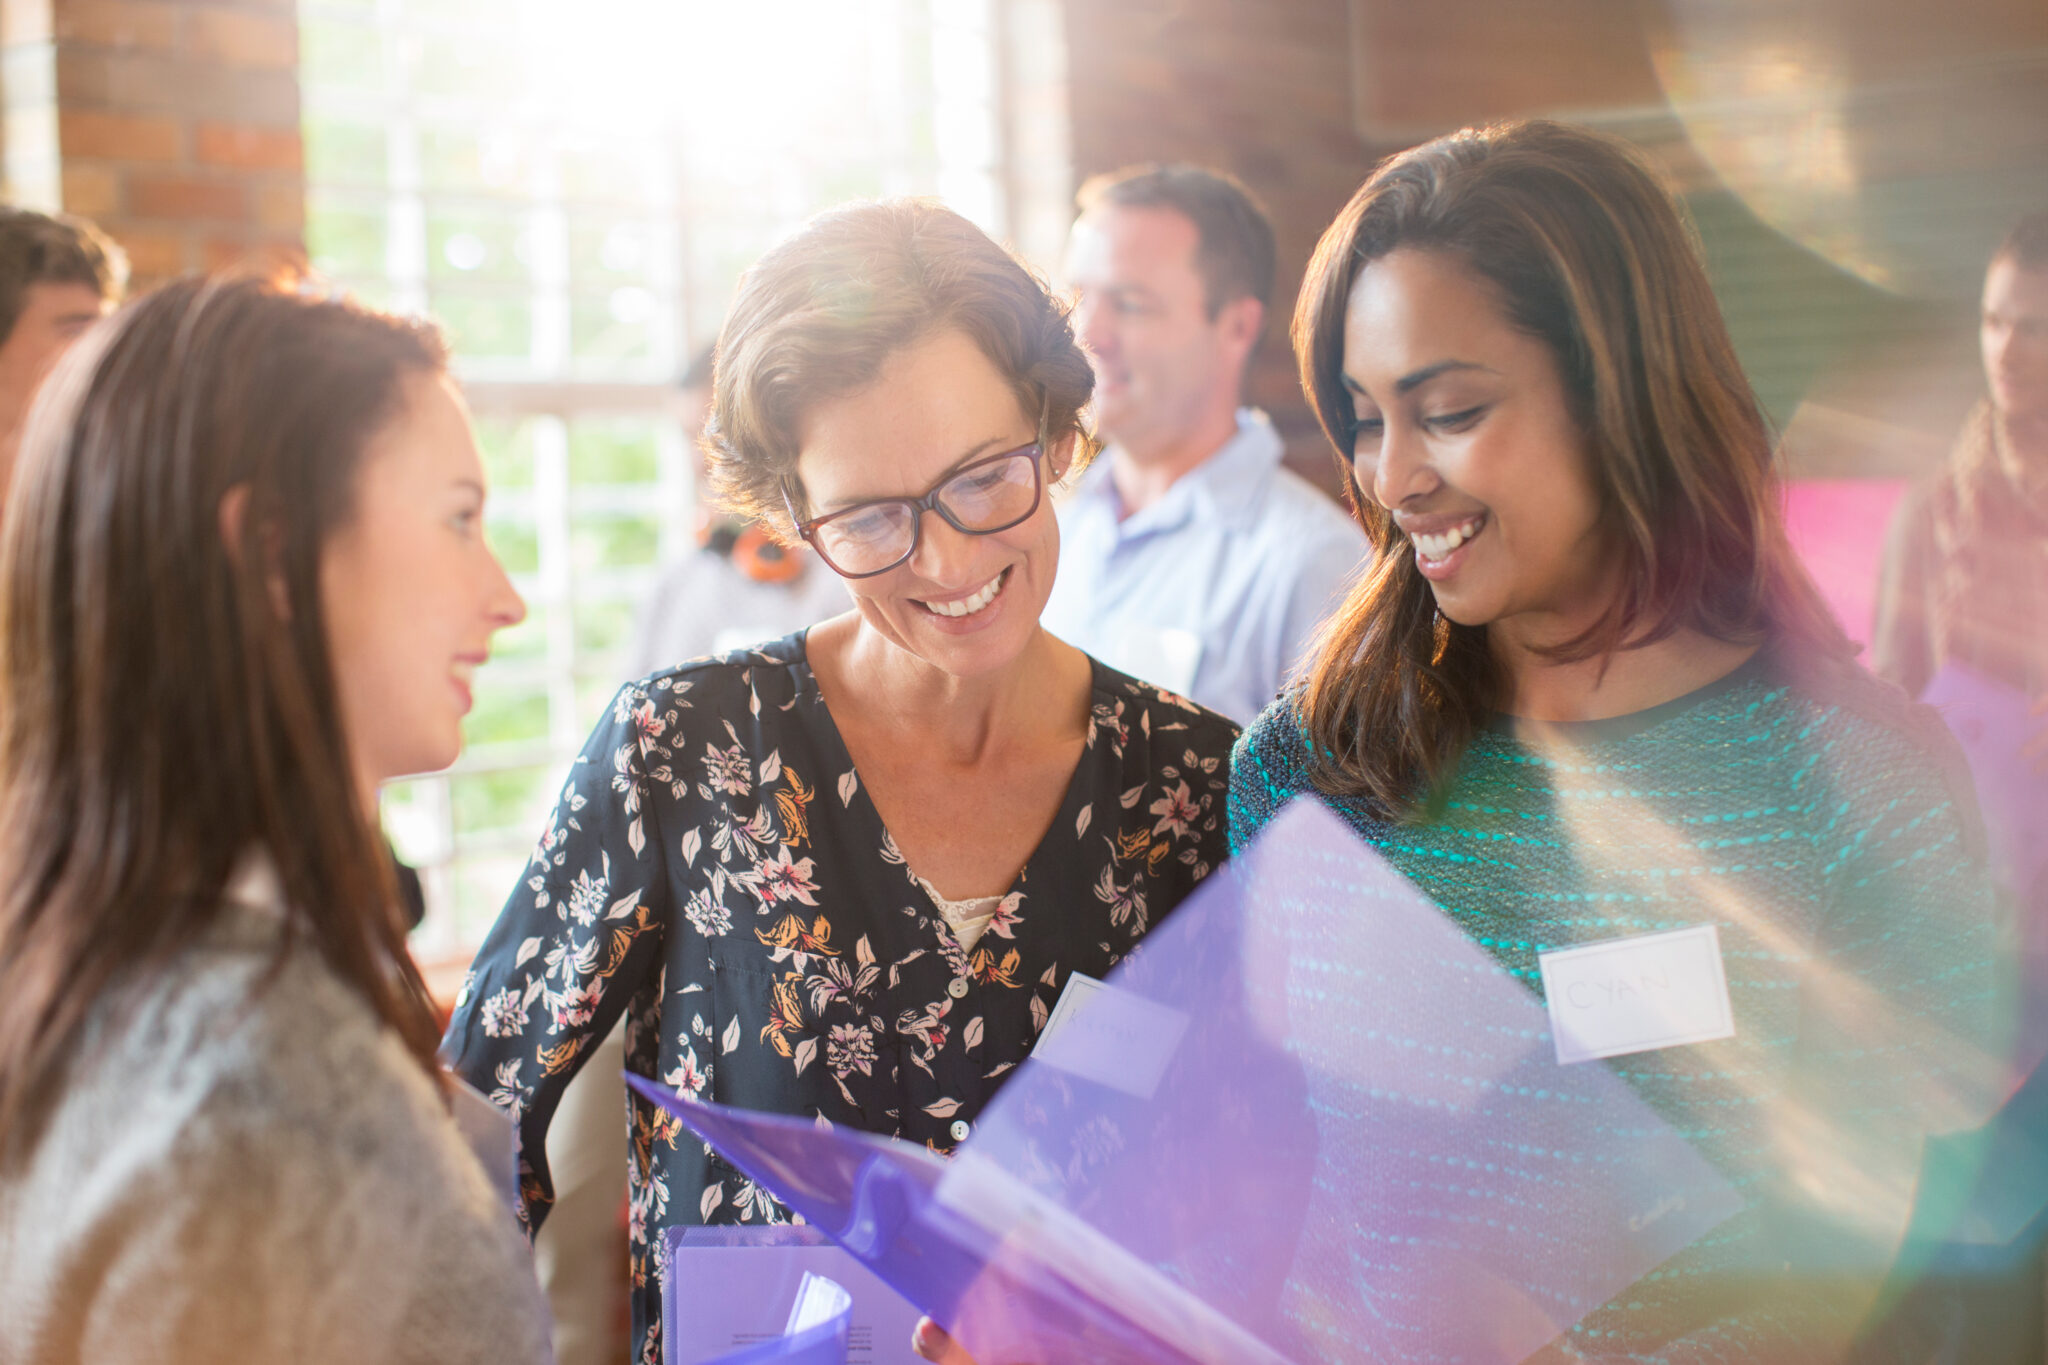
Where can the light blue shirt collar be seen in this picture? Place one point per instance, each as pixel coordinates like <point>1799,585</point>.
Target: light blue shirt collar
<point>1214,488</point>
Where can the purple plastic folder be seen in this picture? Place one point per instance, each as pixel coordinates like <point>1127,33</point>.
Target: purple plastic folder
<point>1991,721</point>
<point>1307,1120</point>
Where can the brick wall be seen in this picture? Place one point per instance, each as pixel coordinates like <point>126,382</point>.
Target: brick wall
<point>172,123</point>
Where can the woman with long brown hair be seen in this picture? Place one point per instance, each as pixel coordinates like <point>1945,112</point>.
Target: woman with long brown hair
<point>1584,696</point>
<point>242,582</point>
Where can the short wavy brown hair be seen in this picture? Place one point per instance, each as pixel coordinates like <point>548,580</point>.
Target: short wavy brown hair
<point>819,315</point>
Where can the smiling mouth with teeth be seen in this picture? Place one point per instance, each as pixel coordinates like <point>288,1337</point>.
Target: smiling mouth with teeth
<point>967,606</point>
<point>1440,546</point>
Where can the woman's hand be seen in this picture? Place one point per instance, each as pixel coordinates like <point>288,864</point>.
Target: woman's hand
<point>931,1342</point>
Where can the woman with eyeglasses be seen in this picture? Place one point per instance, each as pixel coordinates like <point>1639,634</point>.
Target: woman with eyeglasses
<point>1585,695</point>
<point>848,873</point>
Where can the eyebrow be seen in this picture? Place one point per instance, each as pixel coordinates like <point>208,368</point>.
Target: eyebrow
<point>1414,380</point>
<point>993,445</point>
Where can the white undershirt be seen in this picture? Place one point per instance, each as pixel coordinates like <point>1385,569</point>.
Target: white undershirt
<point>967,919</point>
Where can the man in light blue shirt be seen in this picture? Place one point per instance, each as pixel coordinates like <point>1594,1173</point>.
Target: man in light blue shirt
<point>1189,556</point>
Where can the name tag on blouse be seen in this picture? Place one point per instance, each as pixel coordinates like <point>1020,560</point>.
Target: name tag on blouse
<point>1110,1036</point>
<point>1637,994</point>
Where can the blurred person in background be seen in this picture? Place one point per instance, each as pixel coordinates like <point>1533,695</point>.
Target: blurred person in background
<point>1585,693</point>
<point>58,276</point>
<point>1190,556</point>
<point>224,1134</point>
<point>846,874</point>
<point>1965,577</point>
<point>741,585</point>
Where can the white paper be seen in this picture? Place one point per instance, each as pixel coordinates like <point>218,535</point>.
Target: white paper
<point>1110,1036</point>
<point>1637,994</point>
<point>818,1301</point>
<point>733,1286</point>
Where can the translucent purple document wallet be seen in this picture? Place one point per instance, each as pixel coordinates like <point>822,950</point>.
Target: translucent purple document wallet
<point>1307,1120</point>
<point>1991,721</point>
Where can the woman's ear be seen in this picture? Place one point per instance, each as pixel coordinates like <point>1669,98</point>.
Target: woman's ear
<point>233,515</point>
<point>1059,456</point>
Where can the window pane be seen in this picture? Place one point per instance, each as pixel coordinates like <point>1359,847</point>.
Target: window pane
<point>524,642</point>
<point>608,540</point>
<point>477,246</point>
<point>575,217</point>
<point>609,172</point>
<point>506,715</point>
<point>614,326</point>
<point>603,627</point>
<point>340,54</point>
<point>481,884</point>
<point>475,160</point>
<point>512,800</point>
<point>412,816</point>
<point>508,450</point>
<point>477,64</point>
<point>606,253</point>
<point>612,452</point>
<point>346,153</point>
<point>516,543</point>
<point>484,324</point>
<point>345,242</point>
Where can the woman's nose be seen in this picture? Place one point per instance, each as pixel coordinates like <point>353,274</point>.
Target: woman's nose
<point>944,555</point>
<point>1402,470</point>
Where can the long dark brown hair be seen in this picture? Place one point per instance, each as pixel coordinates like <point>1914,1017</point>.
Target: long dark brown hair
<point>1589,254</point>
<point>167,699</point>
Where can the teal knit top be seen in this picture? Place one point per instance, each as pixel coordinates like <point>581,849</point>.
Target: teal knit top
<point>1829,832</point>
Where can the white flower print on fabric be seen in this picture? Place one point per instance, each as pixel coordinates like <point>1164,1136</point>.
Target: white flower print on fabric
<point>1176,810</point>
<point>707,914</point>
<point>686,1075</point>
<point>503,1014</point>
<point>716,872</point>
<point>727,770</point>
<point>785,879</point>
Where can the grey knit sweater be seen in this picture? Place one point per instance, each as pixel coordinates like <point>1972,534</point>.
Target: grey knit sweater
<point>249,1167</point>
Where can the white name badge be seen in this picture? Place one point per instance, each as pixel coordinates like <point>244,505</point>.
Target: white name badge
<point>1637,994</point>
<point>1110,1036</point>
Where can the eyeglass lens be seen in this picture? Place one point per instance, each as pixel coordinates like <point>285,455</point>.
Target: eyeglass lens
<point>983,498</point>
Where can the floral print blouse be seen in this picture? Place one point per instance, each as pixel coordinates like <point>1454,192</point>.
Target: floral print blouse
<point>716,871</point>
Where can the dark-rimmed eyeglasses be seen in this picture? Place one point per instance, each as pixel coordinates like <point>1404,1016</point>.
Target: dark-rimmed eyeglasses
<point>979,499</point>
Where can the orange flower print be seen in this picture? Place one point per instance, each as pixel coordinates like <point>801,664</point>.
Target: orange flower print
<point>793,804</point>
<point>987,970</point>
<point>1133,843</point>
<point>785,1017</point>
<point>792,935</point>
